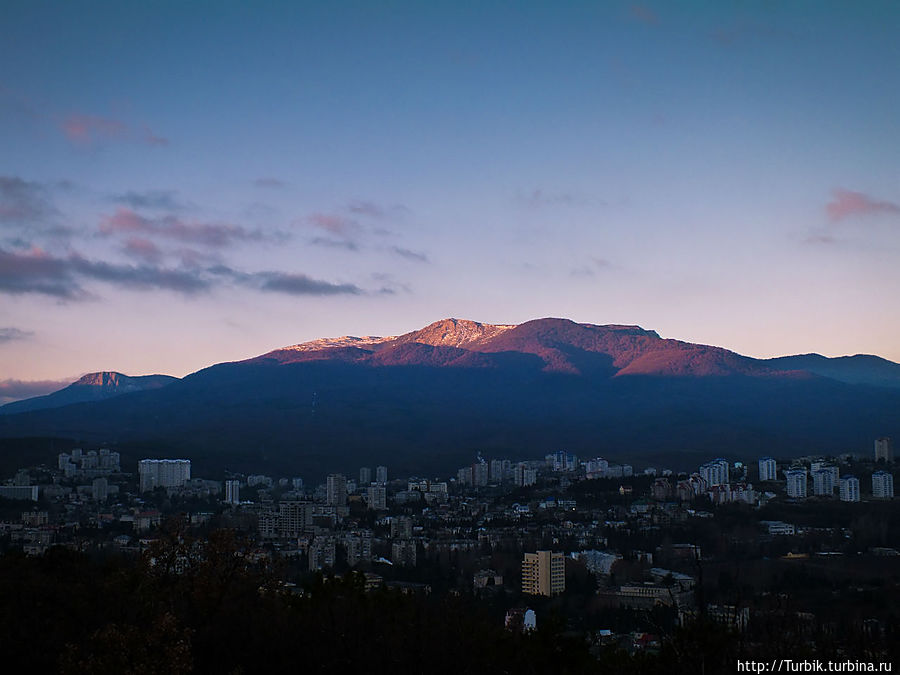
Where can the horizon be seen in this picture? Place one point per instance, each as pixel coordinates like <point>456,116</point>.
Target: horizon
<point>182,187</point>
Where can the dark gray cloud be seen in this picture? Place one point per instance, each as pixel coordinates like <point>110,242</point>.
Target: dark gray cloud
<point>40,273</point>
<point>141,277</point>
<point>36,272</point>
<point>11,334</point>
<point>24,202</point>
<point>415,256</point>
<point>163,200</point>
<point>335,243</point>
<point>300,284</point>
<point>284,282</point>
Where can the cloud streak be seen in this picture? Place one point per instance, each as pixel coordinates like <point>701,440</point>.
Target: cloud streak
<point>24,202</point>
<point>847,203</point>
<point>127,221</point>
<point>415,256</point>
<point>37,272</point>
<point>269,182</point>
<point>164,200</point>
<point>90,130</point>
<point>12,334</point>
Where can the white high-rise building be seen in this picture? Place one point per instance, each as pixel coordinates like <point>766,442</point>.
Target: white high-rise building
<point>767,469</point>
<point>480,474</point>
<point>823,482</point>
<point>882,485</point>
<point>496,474</point>
<point>523,476</point>
<point>336,489</point>
<point>381,474</point>
<point>849,489</point>
<point>884,449</point>
<point>377,495</point>
<point>232,492</point>
<point>365,476</point>
<point>795,480</point>
<point>167,473</point>
<point>596,468</point>
<point>715,472</point>
<point>100,489</point>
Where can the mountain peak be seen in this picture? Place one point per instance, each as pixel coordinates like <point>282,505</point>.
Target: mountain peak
<point>103,378</point>
<point>456,333</point>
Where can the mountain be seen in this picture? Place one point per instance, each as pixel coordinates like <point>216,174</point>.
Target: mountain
<point>562,346</point>
<point>427,401</point>
<point>90,387</point>
<point>859,369</point>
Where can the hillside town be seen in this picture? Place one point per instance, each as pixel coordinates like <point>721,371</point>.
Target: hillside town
<point>618,552</point>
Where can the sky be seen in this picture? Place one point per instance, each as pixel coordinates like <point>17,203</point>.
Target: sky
<point>183,184</point>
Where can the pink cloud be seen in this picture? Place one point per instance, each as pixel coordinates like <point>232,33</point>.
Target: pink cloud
<point>209,234</point>
<point>846,203</point>
<point>333,223</point>
<point>91,129</point>
<point>144,249</point>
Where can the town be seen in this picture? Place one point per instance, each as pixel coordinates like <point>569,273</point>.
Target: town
<point>803,549</point>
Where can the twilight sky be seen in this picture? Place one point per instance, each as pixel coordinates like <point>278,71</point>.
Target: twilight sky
<point>188,183</point>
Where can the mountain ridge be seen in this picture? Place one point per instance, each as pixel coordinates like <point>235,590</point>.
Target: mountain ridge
<point>95,386</point>
<point>430,399</point>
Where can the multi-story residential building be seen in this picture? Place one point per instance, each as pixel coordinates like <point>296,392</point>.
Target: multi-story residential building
<point>381,474</point>
<point>849,489</point>
<point>336,489</point>
<point>322,553</point>
<point>99,489</point>
<point>167,473</point>
<point>882,485</point>
<point>767,469</point>
<point>232,492</point>
<point>523,476</point>
<point>365,476</point>
<point>358,546</point>
<point>401,527</point>
<point>464,476</point>
<point>596,468</point>
<point>884,449</point>
<point>715,472</point>
<point>294,518</point>
<point>823,482</point>
<point>480,474</point>
<point>377,497</point>
<point>496,473</point>
<point>795,482</point>
<point>21,492</point>
<point>403,552</point>
<point>543,573</point>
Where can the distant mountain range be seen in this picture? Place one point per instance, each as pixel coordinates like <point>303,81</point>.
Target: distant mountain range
<point>429,400</point>
<point>91,387</point>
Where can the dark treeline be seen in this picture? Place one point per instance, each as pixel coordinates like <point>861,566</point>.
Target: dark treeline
<point>205,605</point>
